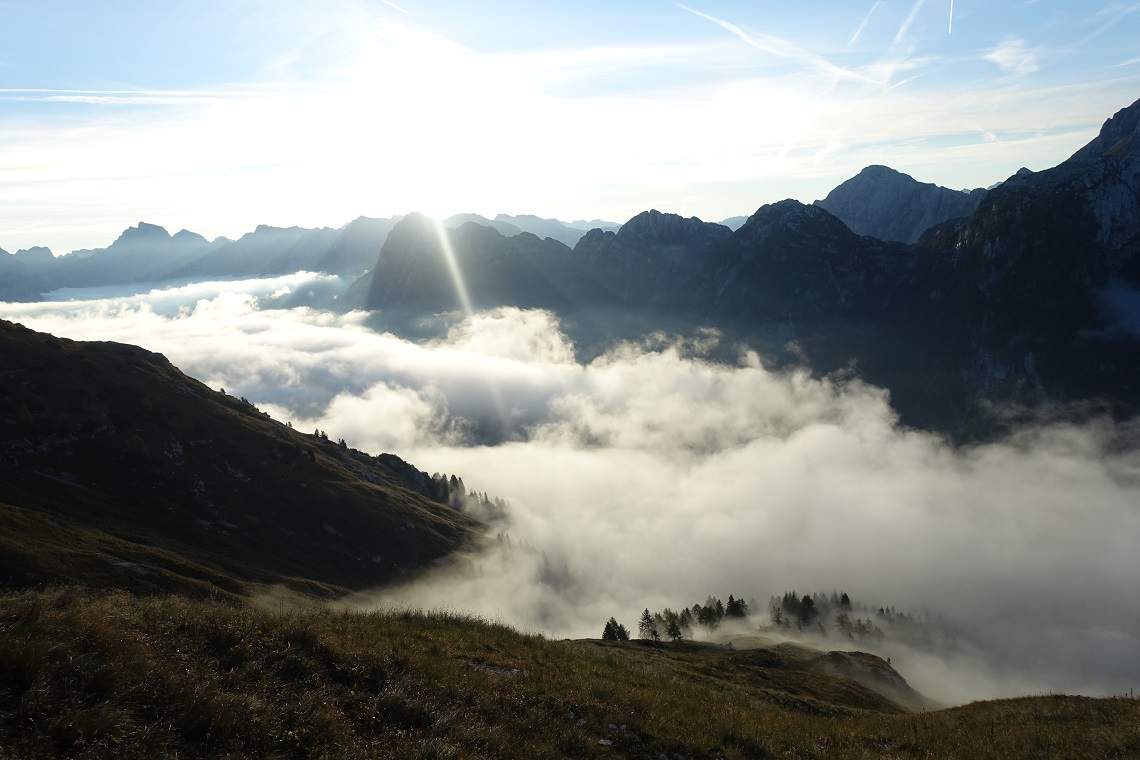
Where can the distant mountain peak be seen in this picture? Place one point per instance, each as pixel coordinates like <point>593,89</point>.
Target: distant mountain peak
<point>653,224</point>
<point>142,233</point>
<point>885,203</point>
<point>186,236</point>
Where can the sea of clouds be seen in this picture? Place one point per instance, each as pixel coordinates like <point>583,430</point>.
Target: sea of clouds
<point>652,477</point>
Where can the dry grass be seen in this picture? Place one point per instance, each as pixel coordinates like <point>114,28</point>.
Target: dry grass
<point>87,674</point>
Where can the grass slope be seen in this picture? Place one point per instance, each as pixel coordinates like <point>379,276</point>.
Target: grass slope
<point>115,675</point>
<point>118,469</point>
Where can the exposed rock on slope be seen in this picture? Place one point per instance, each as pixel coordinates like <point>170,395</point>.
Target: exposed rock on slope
<point>1024,278</point>
<point>795,261</point>
<point>417,272</point>
<point>890,205</point>
<point>652,257</point>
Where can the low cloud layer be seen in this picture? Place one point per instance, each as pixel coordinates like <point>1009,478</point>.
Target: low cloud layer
<point>651,477</point>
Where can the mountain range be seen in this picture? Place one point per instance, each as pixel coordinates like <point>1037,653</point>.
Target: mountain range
<point>971,308</point>
<point>1023,300</point>
<point>148,253</point>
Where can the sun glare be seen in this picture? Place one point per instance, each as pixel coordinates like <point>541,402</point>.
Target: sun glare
<point>453,268</point>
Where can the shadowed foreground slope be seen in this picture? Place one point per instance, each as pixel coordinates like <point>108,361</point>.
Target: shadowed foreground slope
<point>118,469</point>
<point>115,675</point>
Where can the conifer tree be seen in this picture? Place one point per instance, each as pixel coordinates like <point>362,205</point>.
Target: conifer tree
<point>645,629</point>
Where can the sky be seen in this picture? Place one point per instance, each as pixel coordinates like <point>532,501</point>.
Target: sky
<point>652,477</point>
<point>218,116</point>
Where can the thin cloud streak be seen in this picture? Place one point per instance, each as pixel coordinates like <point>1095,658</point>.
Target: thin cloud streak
<point>1109,16</point>
<point>901,35</point>
<point>785,50</point>
<point>863,24</point>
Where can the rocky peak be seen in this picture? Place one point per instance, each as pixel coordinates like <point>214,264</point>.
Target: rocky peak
<point>1097,189</point>
<point>142,234</point>
<point>413,231</point>
<point>887,204</point>
<point>791,216</point>
<point>35,255</point>
<point>1119,137</point>
<point>653,227</point>
<point>186,237</point>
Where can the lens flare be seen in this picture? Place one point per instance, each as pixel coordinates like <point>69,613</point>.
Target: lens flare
<point>453,268</point>
<point>460,284</point>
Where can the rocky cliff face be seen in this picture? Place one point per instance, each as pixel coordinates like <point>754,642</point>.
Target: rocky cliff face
<point>1025,278</point>
<point>651,256</point>
<point>414,273</point>
<point>890,205</point>
<point>792,259</point>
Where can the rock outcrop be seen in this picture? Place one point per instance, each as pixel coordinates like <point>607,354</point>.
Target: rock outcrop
<point>890,205</point>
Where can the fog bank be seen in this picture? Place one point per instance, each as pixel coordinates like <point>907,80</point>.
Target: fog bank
<point>652,477</point>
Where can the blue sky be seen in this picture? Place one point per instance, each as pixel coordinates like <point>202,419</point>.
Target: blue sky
<point>218,116</point>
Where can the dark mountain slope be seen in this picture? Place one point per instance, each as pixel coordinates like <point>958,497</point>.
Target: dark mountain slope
<point>612,285</point>
<point>792,260</point>
<point>117,468</point>
<point>890,205</point>
<point>794,276</point>
<point>651,258</point>
<point>1022,281</point>
<point>414,274</point>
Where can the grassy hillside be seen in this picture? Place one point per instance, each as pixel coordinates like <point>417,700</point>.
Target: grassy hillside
<point>116,469</point>
<point>102,675</point>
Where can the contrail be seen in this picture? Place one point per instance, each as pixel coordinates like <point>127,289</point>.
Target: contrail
<point>951,29</point>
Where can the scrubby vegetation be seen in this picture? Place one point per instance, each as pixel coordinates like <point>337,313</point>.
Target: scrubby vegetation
<point>827,616</point>
<point>86,675</point>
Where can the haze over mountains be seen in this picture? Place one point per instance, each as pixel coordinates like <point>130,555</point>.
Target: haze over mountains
<point>1028,300</point>
<point>1024,300</point>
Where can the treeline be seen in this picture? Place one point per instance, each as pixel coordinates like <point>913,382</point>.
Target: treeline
<point>452,492</point>
<point>439,488</point>
<point>680,625</point>
<point>819,613</point>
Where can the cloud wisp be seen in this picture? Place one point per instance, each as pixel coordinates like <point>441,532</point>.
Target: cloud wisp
<point>904,28</point>
<point>1014,56</point>
<point>785,50</point>
<point>863,24</point>
<point>652,477</point>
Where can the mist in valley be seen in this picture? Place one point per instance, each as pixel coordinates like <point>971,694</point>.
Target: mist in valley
<point>652,476</point>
